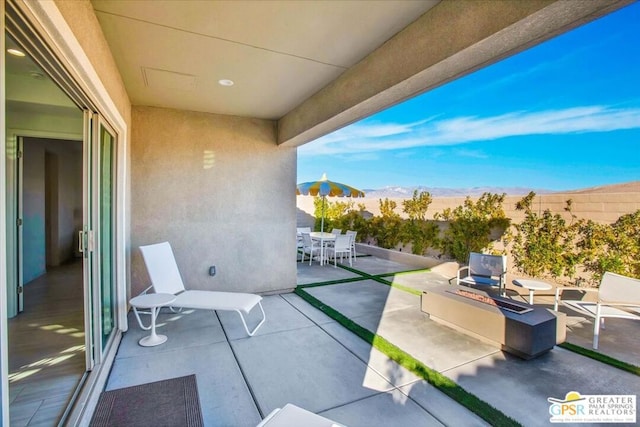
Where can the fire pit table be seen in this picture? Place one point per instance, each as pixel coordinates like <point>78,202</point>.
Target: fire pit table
<point>517,328</point>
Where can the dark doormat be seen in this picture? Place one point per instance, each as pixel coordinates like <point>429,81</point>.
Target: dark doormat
<point>171,402</point>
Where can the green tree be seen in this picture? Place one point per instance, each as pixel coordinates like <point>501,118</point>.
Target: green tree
<point>342,215</point>
<point>544,244</point>
<point>354,220</point>
<point>470,225</point>
<point>614,247</point>
<point>422,234</point>
<point>386,227</point>
<point>333,212</point>
<point>416,208</point>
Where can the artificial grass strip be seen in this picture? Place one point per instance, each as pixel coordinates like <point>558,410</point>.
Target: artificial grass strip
<point>397,286</point>
<point>404,272</point>
<point>379,279</point>
<point>332,282</point>
<point>633,369</point>
<point>354,270</point>
<point>446,385</point>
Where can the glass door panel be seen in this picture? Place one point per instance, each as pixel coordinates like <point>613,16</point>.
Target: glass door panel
<point>106,232</point>
<point>98,236</point>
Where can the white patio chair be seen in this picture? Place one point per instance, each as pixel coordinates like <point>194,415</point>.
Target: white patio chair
<point>299,231</point>
<point>484,270</point>
<point>618,296</point>
<point>165,278</point>
<point>335,232</point>
<point>341,246</point>
<point>309,247</point>
<point>353,235</point>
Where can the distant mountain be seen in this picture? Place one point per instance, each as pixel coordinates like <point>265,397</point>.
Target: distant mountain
<point>407,192</point>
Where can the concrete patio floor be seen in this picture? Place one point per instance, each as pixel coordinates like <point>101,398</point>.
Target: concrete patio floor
<point>303,357</point>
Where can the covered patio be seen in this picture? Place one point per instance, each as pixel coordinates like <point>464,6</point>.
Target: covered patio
<point>212,169</point>
<point>304,357</point>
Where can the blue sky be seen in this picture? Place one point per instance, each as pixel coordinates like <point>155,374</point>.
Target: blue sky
<point>562,115</point>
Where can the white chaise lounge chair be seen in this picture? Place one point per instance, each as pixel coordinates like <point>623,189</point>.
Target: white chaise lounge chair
<point>165,278</point>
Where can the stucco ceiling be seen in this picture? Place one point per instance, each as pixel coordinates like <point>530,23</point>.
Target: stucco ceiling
<point>278,53</point>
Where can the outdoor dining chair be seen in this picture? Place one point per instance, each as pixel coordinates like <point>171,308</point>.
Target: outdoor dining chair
<point>299,231</point>
<point>341,246</point>
<point>309,247</point>
<point>353,235</point>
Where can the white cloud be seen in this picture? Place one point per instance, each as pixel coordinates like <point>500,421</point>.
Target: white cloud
<point>363,137</point>
<point>476,154</point>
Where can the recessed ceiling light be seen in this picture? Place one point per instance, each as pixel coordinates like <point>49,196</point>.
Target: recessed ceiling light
<point>225,82</point>
<point>15,52</point>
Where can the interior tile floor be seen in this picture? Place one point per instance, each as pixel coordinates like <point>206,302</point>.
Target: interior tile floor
<point>46,348</point>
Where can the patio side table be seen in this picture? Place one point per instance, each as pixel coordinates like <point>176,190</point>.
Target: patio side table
<point>532,285</point>
<point>154,302</point>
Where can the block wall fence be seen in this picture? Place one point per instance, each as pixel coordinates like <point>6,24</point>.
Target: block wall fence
<point>604,208</point>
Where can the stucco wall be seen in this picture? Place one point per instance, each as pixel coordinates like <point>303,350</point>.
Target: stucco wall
<point>221,191</point>
<point>82,20</point>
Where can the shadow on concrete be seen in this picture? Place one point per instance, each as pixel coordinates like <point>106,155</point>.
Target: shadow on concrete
<point>519,388</point>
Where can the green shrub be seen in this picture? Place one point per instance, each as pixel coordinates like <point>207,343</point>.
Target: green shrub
<point>385,229</point>
<point>355,220</point>
<point>541,245</point>
<point>417,230</point>
<point>470,226</point>
<point>614,248</point>
<point>544,244</point>
<point>333,212</point>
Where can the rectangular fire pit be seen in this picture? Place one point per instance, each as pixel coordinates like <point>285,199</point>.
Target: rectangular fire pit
<point>518,328</point>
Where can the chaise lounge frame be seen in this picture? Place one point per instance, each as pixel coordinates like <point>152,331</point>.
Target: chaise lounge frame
<point>165,278</point>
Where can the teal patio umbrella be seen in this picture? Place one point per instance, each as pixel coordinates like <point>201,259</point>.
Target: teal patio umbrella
<point>324,188</point>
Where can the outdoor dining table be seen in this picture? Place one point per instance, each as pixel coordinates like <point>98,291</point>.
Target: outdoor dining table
<point>323,238</point>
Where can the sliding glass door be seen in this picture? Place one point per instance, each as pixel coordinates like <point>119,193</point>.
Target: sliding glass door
<point>106,238</point>
<point>97,236</point>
